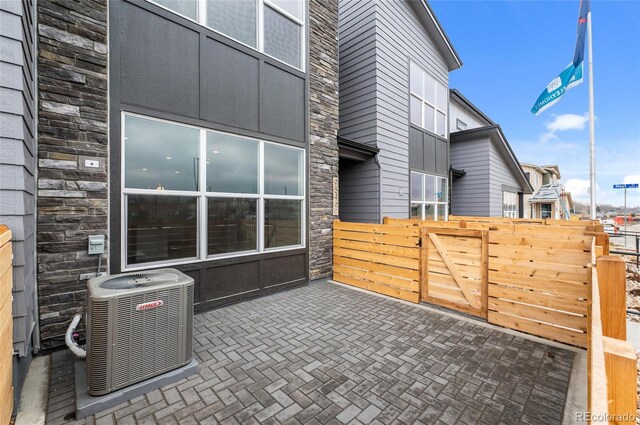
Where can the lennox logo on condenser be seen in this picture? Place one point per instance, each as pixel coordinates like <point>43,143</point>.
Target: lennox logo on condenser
<point>150,305</point>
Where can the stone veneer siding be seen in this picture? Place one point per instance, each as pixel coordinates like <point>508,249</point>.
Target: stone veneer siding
<point>323,125</point>
<point>72,127</point>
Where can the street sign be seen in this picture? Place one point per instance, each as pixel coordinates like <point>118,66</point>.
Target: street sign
<point>625,187</point>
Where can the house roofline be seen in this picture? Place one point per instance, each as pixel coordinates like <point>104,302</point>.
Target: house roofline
<point>492,131</point>
<point>450,55</point>
<point>456,93</point>
<point>356,151</point>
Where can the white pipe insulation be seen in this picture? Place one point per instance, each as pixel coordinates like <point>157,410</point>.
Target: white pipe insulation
<point>68,339</point>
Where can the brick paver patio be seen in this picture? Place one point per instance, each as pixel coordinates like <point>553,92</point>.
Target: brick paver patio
<point>328,354</point>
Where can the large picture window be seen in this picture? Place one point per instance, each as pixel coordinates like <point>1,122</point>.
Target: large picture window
<point>429,197</point>
<point>428,101</point>
<point>190,194</point>
<point>274,27</point>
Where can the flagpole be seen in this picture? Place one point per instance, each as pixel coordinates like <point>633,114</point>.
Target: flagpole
<point>592,143</point>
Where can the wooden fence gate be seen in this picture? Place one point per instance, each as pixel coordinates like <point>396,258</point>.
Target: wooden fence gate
<point>455,269</point>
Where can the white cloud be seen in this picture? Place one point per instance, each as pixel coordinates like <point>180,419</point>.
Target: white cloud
<point>579,189</point>
<point>564,122</point>
<point>632,178</point>
<point>545,137</point>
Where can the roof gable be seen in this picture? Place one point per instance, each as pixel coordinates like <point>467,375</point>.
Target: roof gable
<point>496,136</point>
<point>432,26</point>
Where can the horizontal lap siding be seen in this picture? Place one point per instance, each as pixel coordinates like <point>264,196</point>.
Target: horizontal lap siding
<point>470,195</point>
<point>357,50</point>
<point>501,174</point>
<point>360,191</point>
<point>377,39</point>
<point>458,111</point>
<point>17,158</point>
<point>400,37</point>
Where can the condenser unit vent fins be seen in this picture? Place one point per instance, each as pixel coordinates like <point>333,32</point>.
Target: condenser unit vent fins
<point>138,333</point>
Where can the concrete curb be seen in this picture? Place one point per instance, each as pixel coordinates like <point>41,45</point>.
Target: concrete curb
<point>35,392</point>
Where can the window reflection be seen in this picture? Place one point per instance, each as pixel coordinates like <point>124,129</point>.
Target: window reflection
<point>231,225</point>
<point>232,164</point>
<point>161,228</point>
<point>283,171</point>
<point>160,156</point>
<point>283,221</point>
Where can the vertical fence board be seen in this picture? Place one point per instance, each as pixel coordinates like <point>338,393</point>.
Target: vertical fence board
<point>620,364</point>
<point>613,296</point>
<point>6,327</point>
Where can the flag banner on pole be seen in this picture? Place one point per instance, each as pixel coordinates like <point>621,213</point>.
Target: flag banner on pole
<point>571,76</point>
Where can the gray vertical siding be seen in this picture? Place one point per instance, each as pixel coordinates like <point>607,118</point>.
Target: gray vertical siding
<point>377,40</point>
<point>359,195</point>
<point>469,193</point>
<point>17,165</point>
<point>501,175</point>
<point>17,170</point>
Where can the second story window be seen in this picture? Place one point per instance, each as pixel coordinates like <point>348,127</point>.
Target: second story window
<point>274,27</point>
<point>427,101</point>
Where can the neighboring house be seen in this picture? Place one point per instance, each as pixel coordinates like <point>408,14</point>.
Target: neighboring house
<point>487,178</point>
<point>18,171</point>
<point>549,199</point>
<point>395,61</point>
<point>186,138</point>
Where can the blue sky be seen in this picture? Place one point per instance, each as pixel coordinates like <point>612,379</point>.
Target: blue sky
<point>512,49</point>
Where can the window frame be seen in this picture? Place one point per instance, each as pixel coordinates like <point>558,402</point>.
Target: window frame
<point>424,101</point>
<point>508,213</point>
<point>203,196</point>
<point>422,204</point>
<point>201,13</point>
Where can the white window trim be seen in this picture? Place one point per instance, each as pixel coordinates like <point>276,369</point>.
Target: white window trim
<point>509,213</point>
<point>424,101</point>
<point>424,203</point>
<point>202,195</point>
<point>201,20</point>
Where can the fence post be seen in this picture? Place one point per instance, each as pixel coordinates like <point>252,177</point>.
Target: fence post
<point>424,264</point>
<point>602,239</point>
<point>620,363</point>
<point>613,300</point>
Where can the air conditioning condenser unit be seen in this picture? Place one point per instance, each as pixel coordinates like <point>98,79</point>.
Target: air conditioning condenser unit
<point>139,325</point>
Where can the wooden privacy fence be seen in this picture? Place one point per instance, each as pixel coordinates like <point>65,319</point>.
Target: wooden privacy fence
<point>611,360</point>
<point>541,277</point>
<point>6,327</point>
<point>456,271</point>
<point>529,277</point>
<point>383,259</point>
<point>538,283</point>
